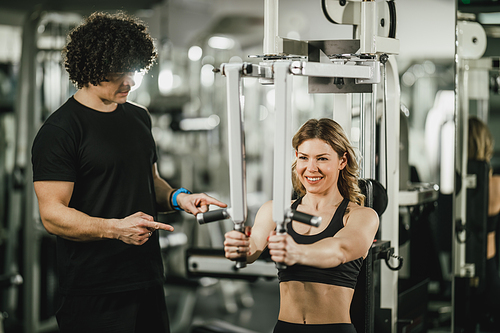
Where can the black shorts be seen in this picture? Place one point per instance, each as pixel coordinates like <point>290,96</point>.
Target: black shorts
<point>134,311</point>
<point>492,292</point>
<point>284,327</point>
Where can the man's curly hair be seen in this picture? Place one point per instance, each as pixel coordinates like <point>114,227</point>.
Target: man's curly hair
<point>107,43</point>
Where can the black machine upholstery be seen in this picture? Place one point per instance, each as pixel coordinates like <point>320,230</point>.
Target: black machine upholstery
<point>469,289</point>
<point>477,216</point>
<point>365,315</point>
<point>375,193</point>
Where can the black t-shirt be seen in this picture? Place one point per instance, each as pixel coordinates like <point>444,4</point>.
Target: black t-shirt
<point>109,157</point>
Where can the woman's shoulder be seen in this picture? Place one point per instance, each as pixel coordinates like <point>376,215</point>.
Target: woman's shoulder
<point>265,214</point>
<point>356,211</point>
<point>266,208</point>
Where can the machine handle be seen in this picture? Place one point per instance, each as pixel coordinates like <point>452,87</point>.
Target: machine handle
<point>242,261</point>
<point>290,214</point>
<point>212,216</point>
<point>222,214</point>
<point>315,221</point>
<point>280,265</point>
<point>387,255</point>
<point>281,229</point>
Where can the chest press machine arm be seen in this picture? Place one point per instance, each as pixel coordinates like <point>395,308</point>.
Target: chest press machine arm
<point>282,214</point>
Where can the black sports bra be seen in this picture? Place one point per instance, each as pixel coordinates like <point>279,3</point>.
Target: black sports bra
<point>492,222</point>
<point>344,275</point>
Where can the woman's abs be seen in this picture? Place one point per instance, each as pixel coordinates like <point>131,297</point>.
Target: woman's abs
<point>314,303</point>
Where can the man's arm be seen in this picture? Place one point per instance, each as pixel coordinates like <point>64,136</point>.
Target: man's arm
<point>61,220</point>
<point>191,203</point>
<point>163,191</point>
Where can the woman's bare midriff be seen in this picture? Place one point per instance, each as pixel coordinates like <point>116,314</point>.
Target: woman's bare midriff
<point>314,303</point>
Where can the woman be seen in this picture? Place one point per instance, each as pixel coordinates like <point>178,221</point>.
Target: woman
<point>323,263</point>
<point>480,147</point>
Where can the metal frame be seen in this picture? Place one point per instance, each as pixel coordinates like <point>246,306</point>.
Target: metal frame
<point>277,68</point>
<point>237,176</point>
<point>471,83</point>
<point>282,189</point>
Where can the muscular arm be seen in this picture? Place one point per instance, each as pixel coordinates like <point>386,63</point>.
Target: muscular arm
<point>163,191</point>
<point>350,243</point>
<point>61,220</point>
<point>191,203</point>
<point>262,226</point>
<point>257,242</point>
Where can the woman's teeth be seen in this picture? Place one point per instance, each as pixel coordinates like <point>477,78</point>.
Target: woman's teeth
<point>313,179</point>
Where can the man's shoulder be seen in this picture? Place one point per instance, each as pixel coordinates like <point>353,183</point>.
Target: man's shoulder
<point>67,117</point>
<point>137,110</point>
<point>135,105</point>
<point>62,114</point>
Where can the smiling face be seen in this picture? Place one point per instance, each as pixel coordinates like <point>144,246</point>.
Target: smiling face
<point>115,89</point>
<point>318,166</point>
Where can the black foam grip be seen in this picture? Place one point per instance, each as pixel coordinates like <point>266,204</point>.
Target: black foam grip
<point>241,263</point>
<point>280,265</point>
<point>212,216</point>
<point>305,218</point>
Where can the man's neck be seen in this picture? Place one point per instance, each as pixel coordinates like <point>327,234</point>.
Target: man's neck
<point>86,97</point>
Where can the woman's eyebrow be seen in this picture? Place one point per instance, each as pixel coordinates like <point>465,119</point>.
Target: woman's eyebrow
<point>321,154</point>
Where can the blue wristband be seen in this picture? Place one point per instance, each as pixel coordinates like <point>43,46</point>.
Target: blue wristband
<point>174,197</point>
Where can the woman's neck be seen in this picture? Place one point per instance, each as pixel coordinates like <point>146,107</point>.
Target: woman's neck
<point>321,201</point>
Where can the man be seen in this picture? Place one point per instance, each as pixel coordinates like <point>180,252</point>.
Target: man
<point>98,187</point>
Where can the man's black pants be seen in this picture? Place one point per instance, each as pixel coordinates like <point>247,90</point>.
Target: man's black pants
<point>134,311</point>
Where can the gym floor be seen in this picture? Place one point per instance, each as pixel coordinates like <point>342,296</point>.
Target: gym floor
<point>251,307</point>
<point>234,306</point>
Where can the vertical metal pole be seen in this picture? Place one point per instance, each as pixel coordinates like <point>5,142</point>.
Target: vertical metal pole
<point>342,112</point>
<point>236,145</point>
<point>362,137</point>
<point>460,199</point>
<point>28,112</point>
<point>367,142</point>
<point>373,131</point>
<point>368,26</point>
<point>390,220</point>
<point>382,176</point>
<point>283,153</point>
<point>270,27</point>
<point>462,112</point>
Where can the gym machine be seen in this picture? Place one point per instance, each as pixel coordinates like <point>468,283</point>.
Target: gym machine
<point>471,212</point>
<point>341,67</point>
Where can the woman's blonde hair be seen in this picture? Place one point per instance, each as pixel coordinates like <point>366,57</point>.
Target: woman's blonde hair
<point>332,133</point>
<point>480,143</point>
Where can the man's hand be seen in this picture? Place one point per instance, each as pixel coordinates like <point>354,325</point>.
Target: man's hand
<point>137,228</point>
<point>197,202</point>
